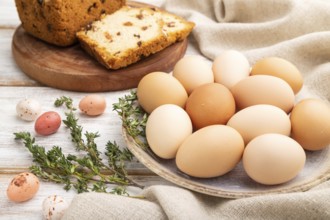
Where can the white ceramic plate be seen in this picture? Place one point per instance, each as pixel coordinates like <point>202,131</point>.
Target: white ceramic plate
<point>235,184</point>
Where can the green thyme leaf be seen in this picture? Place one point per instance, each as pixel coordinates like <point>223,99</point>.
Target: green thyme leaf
<point>85,171</point>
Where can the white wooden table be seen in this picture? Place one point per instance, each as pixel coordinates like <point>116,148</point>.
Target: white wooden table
<point>14,157</point>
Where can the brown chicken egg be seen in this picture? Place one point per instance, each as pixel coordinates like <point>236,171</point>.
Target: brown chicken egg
<point>210,104</point>
<point>263,89</point>
<point>260,119</point>
<point>166,128</point>
<point>281,68</point>
<point>193,71</point>
<point>273,159</point>
<point>159,88</point>
<point>210,152</point>
<point>310,119</point>
<point>230,67</point>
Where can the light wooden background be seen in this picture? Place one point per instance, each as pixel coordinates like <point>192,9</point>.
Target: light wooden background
<point>14,157</point>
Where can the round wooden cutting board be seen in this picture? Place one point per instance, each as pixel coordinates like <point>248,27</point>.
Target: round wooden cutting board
<point>73,69</point>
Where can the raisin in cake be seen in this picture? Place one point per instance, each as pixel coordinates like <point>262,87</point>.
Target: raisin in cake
<point>129,34</point>
<point>57,21</point>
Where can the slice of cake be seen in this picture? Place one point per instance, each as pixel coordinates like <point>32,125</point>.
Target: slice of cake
<point>123,37</point>
<point>129,34</point>
<point>57,21</point>
<point>175,27</point>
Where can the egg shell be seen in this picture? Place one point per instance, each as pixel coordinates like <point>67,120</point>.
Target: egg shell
<point>54,207</point>
<point>310,119</point>
<point>159,88</point>
<point>192,72</point>
<point>260,119</point>
<point>273,159</point>
<point>278,67</point>
<point>263,89</point>
<point>28,109</point>
<point>93,105</point>
<point>210,104</point>
<point>210,152</point>
<point>47,123</point>
<point>166,128</point>
<point>23,187</point>
<point>230,67</point>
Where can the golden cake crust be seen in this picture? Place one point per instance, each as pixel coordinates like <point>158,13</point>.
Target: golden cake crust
<point>57,21</point>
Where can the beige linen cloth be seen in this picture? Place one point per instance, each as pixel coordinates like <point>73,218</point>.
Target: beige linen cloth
<point>297,30</point>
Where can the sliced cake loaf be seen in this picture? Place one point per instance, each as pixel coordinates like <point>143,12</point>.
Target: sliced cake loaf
<point>57,21</point>
<point>124,37</point>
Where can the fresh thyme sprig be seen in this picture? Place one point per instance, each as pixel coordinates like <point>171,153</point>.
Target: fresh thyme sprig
<point>85,172</point>
<point>133,117</point>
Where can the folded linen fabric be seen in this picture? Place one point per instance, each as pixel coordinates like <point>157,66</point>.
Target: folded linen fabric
<point>169,202</point>
<point>296,30</point>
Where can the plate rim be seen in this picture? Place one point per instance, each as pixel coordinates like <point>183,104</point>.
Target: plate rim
<point>151,164</point>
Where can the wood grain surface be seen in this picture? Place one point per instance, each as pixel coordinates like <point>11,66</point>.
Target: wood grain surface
<point>73,69</point>
<point>14,158</point>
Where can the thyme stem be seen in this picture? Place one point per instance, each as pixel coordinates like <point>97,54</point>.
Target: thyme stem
<point>85,172</point>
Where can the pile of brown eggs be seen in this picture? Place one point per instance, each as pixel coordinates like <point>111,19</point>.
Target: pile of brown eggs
<point>209,118</point>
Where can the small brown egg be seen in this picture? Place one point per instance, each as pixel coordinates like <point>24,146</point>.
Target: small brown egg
<point>192,72</point>
<point>273,159</point>
<point>210,104</point>
<point>166,129</point>
<point>281,68</point>
<point>210,152</point>
<point>23,187</point>
<point>159,88</point>
<point>256,120</point>
<point>230,67</point>
<point>263,89</point>
<point>310,120</point>
<point>92,105</point>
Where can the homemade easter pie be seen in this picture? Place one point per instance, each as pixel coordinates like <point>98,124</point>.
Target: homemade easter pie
<point>57,21</point>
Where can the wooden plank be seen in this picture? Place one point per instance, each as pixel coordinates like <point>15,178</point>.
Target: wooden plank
<point>16,157</point>
<point>32,209</point>
<point>10,74</point>
<point>8,16</point>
